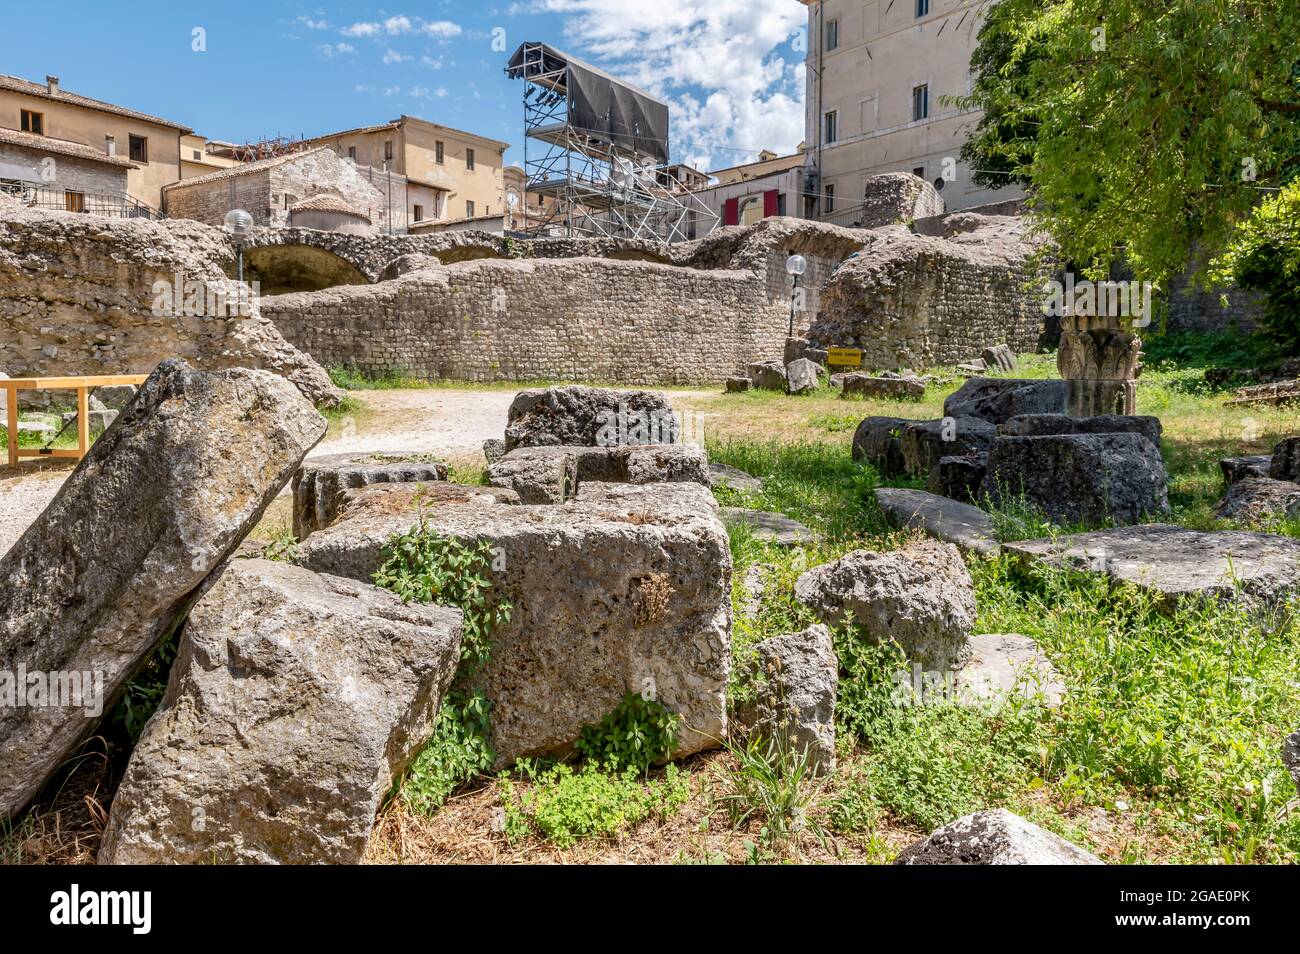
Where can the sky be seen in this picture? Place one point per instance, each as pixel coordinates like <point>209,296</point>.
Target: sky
<point>732,71</point>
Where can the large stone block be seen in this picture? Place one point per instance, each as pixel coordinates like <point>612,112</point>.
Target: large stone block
<point>794,679</point>
<point>542,475</point>
<point>624,589</point>
<point>1081,477</point>
<point>879,440</point>
<point>924,443</point>
<point>1286,460</point>
<point>539,475</point>
<point>321,482</point>
<point>1000,399</point>
<point>107,570</point>
<point>296,700</point>
<point>1257,498</point>
<point>858,384</point>
<point>920,597</point>
<point>589,417</point>
<point>801,375</point>
<point>967,527</point>
<point>767,375</point>
<point>995,837</point>
<point>1034,425</point>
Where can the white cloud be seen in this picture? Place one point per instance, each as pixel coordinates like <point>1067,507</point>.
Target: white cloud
<point>329,51</point>
<point>311,24</point>
<point>441,28</point>
<point>394,26</point>
<point>391,56</point>
<point>362,29</point>
<point>722,49</point>
<point>432,62</point>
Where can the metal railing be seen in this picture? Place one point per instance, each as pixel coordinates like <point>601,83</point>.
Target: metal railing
<point>115,205</point>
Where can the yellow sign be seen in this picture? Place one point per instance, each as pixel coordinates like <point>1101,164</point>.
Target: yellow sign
<point>844,357</point>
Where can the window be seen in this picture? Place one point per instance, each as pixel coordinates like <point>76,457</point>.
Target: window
<point>198,156</point>
<point>469,159</point>
<point>74,201</point>
<point>780,204</point>
<point>469,208</point>
<point>33,122</point>
<point>832,35</point>
<point>832,126</point>
<point>830,198</point>
<point>139,149</point>
<point>920,102</point>
<point>922,8</point>
<point>388,149</point>
<point>418,212</point>
<point>352,153</point>
<point>439,152</point>
<point>918,171</point>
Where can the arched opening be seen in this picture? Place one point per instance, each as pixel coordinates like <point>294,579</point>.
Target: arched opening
<point>281,269</point>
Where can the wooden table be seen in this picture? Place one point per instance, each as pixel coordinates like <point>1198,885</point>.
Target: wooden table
<point>83,385</point>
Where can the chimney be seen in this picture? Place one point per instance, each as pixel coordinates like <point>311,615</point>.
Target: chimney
<point>52,84</point>
<point>110,145</point>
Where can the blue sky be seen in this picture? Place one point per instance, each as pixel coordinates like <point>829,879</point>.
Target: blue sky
<point>732,70</point>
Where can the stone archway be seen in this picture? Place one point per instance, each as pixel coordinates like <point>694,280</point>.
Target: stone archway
<point>281,269</point>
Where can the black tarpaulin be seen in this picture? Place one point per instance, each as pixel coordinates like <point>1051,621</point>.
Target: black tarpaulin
<point>599,104</point>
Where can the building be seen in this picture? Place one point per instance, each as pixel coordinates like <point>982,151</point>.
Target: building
<point>878,73</point>
<point>450,174</point>
<point>200,157</point>
<point>768,163</point>
<point>272,190</point>
<point>56,174</point>
<point>749,193</point>
<point>56,120</point>
<point>531,209</point>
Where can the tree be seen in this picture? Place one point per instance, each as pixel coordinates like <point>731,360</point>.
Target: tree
<point>1141,129</point>
<point>1264,256</point>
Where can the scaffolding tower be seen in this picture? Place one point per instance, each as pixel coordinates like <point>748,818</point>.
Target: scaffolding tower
<point>597,148</point>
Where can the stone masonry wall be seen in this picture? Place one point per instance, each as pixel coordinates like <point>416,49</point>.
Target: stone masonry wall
<point>77,175</point>
<point>585,319</point>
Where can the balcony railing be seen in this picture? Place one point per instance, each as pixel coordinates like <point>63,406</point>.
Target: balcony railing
<point>115,205</point>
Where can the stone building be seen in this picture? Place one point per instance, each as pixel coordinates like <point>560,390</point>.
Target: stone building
<point>150,145</point>
<point>877,72</point>
<point>54,173</point>
<point>269,189</point>
<point>449,173</point>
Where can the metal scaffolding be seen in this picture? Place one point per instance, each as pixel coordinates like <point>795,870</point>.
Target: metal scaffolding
<point>597,148</point>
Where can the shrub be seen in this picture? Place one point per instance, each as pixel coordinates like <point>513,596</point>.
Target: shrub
<point>636,734</point>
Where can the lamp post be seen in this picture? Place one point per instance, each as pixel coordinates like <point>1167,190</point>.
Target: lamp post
<point>238,224</point>
<point>795,266</point>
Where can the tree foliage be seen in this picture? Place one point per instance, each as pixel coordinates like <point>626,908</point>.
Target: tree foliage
<point>1140,129</point>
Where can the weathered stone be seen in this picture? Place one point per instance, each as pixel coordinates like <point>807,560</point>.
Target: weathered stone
<point>768,375</point>
<point>768,527</point>
<point>1286,460</point>
<point>99,420</point>
<point>321,482</point>
<point>802,376</point>
<point>410,497</point>
<point>994,837</point>
<point>1239,468</point>
<point>957,477</point>
<point>738,385</point>
<point>923,443</point>
<point>105,573</point>
<point>539,475</point>
<point>999,399</point>
<point>858,384</point>
<point>1000,357</point>
<point>589,417</point>
<point>296,700</point>
<point>1291,757</point>
<point>1035,425</point>
<point>879,440</point>
<point>1257,498</point>
<point>967,527</point>
<point>116,396</point>
<point>1177,563</point>
<point>720,475</point>
<point>973,368</point>
<point>625,589</point>
<point>920,597</point>
<point>794,679</point>
<point>1006,664</point>
<point>493,450</point>
<point>1081,477</point>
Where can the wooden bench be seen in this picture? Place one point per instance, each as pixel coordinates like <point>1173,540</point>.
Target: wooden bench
<point>83,385</point>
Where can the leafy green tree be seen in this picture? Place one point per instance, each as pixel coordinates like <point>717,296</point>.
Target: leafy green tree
<point>1264,256</point>
<point>1141,129</point>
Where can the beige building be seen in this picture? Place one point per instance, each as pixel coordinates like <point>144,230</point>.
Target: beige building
<point>450,174</point>
<point>199,156</point>
<point>877,75</point>
<point>150,145</point>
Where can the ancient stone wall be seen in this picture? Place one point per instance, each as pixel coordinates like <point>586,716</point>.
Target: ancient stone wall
<point>78,296</point>
<point>916,301</point>
<point>584,319</point>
